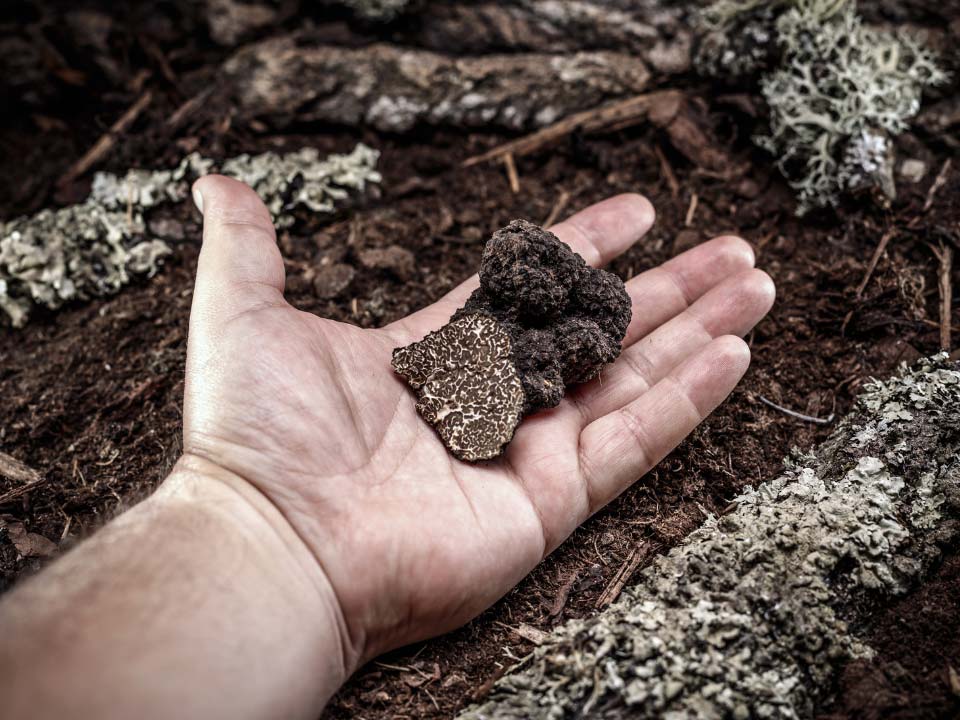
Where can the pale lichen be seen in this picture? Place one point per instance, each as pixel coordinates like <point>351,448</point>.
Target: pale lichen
<point>753,615</point>
<point>305,179</point>
<point>94,248</point>
<point>837,90</point>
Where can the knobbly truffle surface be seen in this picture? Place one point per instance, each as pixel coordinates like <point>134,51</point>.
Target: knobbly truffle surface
<point>466,384</point>
<point>541,320</point>
<point>565,319</point>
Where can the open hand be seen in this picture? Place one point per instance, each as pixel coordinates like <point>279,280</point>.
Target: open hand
<point>408,541</point>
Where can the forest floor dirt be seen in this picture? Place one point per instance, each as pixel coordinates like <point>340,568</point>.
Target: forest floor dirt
<point>92,394</point>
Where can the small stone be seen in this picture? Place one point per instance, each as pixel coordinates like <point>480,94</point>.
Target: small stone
<point>167,228</point>
<point>395,259</point>
<point>333,280</point>
<point>913,170</point>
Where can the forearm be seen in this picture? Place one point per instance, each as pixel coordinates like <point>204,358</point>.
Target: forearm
<point>199,602</point>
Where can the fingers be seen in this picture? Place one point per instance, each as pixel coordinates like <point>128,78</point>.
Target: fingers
<point>598,234</point>
<point>667,290</point>
<point>618,448</point>
<point>240,266</point>
<point>732,307</point>
<point>608,229</point>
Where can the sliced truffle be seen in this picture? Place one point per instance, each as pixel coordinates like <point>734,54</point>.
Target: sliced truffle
<point>541,320</point>
<point>466,384</point>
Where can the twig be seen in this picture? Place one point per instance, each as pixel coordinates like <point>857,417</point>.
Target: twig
<point>100,148</point>
<point>938,183</point>
<point>621,114</point>
<point>20,491</point>
<point>881,248</point>
<point>558,207</point>
<point>945,285</point>
<point>512,172</point>
<point>793,413</point>
<point>692,210</point>
<point>623,575</point>
<point>667,169</point>
<point>188,108</point>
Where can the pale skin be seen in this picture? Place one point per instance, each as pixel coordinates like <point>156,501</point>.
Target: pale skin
<point>315,521</point>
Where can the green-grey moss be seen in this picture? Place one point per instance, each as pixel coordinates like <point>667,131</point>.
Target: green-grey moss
<point>94,248</point>
<point>837,90</point>
<point>754,614</point>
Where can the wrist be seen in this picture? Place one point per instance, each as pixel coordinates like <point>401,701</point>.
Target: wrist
<point>277,564</point>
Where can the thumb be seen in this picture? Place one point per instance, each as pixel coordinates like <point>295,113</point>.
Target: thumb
<point>240,267</point>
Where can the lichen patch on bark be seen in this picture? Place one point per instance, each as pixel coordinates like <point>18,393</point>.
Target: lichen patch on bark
<point>755,613</point>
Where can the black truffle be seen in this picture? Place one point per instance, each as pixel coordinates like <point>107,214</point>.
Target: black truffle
<point>541,320</point>
<point>466,384</point>
<point>565,319</point>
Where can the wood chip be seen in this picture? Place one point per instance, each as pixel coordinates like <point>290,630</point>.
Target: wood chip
<point>527,632</point>
<point>13,469</point>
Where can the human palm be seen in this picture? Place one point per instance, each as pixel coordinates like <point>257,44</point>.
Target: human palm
<point>412,541</point>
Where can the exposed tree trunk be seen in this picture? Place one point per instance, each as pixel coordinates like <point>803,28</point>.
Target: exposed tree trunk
<point>755,613</point>
<point>394,89</point>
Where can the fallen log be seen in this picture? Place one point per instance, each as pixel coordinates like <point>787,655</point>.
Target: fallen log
<point>658,31</point>
<point>392,88</point>
<point>754,615</point>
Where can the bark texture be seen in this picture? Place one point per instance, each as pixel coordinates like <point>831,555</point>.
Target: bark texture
<point>659,31</point>
<point>755,613</point>
<point>394,89</point>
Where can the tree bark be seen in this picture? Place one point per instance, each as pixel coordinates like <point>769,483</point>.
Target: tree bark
<point>658,31</point>
<point>393,89</point>
<point>756,612</point>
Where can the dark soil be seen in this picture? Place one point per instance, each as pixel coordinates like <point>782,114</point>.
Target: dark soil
<point>92,394</point>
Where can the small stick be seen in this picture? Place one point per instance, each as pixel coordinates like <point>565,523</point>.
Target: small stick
<point>692,210</point>
<point>945,286</point>
<point>20,491</point>
<point>629,566</point>
<point>512,172</point>
<point>667,169</point>
<point>881,248</point>
<point>558,207</point>
<point>100,148</point>
<point>938,183</point>
<point>188,108</point>
<point>632,110</point>
<point>795,414</point>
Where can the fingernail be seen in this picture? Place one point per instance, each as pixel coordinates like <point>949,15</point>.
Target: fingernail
<point>198,200</point>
